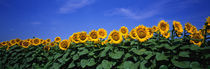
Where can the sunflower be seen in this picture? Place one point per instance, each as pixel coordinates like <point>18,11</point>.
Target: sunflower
<point>17,40</point>
<point>208,20</point>
<point>13,42</point>
<point>8,45</point>
<point>4,43</point>
<point>47,48</point>
<point>36,42</point>
<point>154,28</point>
<point>57,39</point>
<point>44,42</point>
<point>20,43</point>
<point>116,37</point>
<point>94,36</point>
<point>166,34</point>
<point>150,32</point>
<point>142,33</point>
<point>124,30</point>
<point>48,40</point>
<point>197,35</point>
<point>203,30</point>
<point>29,40</point>
<point>193,30</point>
<point>83,37</point>
<point>178,28</point>
<point>188,27</point>
<point>163,26</point>
<point>52,44</point>
<point>75,37</point>
<point>102,33</point>
<point>132,34</point>
<point>26,44</point>
<point>64,45</point>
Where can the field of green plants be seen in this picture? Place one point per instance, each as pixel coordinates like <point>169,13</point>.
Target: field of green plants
<point>142,48</point>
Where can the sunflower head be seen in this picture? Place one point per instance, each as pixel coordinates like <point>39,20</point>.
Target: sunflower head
<point>115,37</point>
<point>142,33</point>
<point>64,45</point>
<point>36,42</point>
<point>83,37</point>
<point>178,28</point>
<point>4,43</point>
<point>44,42</point>
<point>47,48</point>
<point>94,36</point>
<point>166,35</point>
<point>13,42</point>
<point>124,30</point>
<point>163,26</point>
<point>75,37</point>
<point>26,44</point>
<point>48,40</point>
<point>57,39</point>
<point>197,35</point>
<point>132,34</point>
<point>20,43</point>
<point>208,21</point>
<point>150,32</point>
<point>193,30</point>
<point>17,40</point>
<point>154,28</point>
<point>102,33</point>
<point>188,27</point>
<point>52,44</point>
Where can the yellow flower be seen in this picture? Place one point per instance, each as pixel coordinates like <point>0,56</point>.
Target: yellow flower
<point>42,40</point>
<point>163,26</point>
<point>4,43</point>
<point>13,42</point>
<point>178,28</point>
<point>124,30</point>
<point>26,44</point>
<point>47,48</point>
<point>193,30</point>
<point>197,35</point>
<point>150,32</point>
<point>57,39</point>
<point>133,33</point>
<point>17,40</point>
<point>94,36</point>
<point>188,27</point>
<point>8,45</point>
<point>154,28</point>
<point>48,40</point>
<point>142,33</point>
<point>45,42</point>
<point>102,33</point>
<point>20,43</point>
<point>83,37</point>
<point>166,34</point>
<point>208,20</point>
<point>36,41</point>
<point>52,44</point>
<point>116,37</point>
<point>75,38</point>
<point>64,45</point>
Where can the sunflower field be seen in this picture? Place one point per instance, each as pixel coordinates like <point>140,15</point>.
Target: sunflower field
<point>143,47</point>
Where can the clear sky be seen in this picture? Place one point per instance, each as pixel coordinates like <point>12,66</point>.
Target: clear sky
<point>50,18</point>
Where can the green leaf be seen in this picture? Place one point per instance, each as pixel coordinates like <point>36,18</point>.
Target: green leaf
<point>181,64</point>
<point>139,52</point>
<point>55,66</point>
<point>127,55</point>
<point>91,62</point>
<point>160,57</point>
<point>148,56</point>
<point>107,64</point>
<point>83,52</point>
<point>195,65</point>
<point>126,65</point>
<point>75,57</point>
<point>142,64</point>
<point>184,54</point>
<point>163,67</point>
<point>103,53</point>
<point>83,63</point>
<point>116,55</point>
<point>71,65</point>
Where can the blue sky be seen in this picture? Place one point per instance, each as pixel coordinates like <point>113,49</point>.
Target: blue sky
<point>50,18</point>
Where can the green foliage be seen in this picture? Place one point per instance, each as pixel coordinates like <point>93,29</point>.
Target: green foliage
<point>152,54</point>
